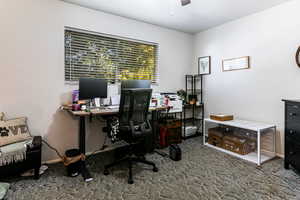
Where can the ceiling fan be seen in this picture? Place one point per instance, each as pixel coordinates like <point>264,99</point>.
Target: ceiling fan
<point>185,2</point>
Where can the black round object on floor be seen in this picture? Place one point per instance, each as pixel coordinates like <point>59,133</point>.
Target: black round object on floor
<point>73,169</point>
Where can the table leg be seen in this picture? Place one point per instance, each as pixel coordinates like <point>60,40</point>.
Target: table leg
<point>258,148</point>
<point>84,171</point>
<point>82,135</point>
<point>204,131</point>
<point>274,141</point>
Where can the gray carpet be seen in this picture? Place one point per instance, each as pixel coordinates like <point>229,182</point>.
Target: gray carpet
<point>202,174</point>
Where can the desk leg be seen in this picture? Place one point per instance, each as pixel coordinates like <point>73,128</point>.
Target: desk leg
<point>82,135</point>
<point>84,171</point>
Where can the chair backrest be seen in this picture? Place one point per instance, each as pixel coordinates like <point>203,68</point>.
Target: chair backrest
<point>133,123</point>
<point>134,106</point>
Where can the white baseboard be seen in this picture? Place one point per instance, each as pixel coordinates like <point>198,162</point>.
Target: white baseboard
<point>109,149</point>
<point>49,162</point>
<point>280,155</point>
<point>272,153</point>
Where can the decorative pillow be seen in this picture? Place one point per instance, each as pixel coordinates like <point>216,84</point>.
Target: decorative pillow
<point>14,130</point>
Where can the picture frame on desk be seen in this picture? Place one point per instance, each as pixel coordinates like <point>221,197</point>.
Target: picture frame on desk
<point>204,65</point>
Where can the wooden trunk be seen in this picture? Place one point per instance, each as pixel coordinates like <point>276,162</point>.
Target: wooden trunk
<point>215,136</point>
<point>238,145</point>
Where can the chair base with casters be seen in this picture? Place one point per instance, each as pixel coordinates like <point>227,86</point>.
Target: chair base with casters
<point>130,159</point>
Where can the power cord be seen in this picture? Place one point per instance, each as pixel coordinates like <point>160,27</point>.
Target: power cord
<point>51,147</point>
<point>104,146</point>
<point>62,157</point>
<point>54,149</point>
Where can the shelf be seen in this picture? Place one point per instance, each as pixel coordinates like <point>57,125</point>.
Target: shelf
<point>258,157</point>
<point>193,88</point>
<point>192,136</point>
<point>250,125</point>
<point>251,157</point>
<point>190,119</point>
<point>192,105</point>
<point>197,75</point>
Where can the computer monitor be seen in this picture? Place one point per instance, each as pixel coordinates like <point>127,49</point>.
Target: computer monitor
<point>90,88</point>
<point>135,84</point>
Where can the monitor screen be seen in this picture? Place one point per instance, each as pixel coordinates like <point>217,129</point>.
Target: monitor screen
<point>135,84</point>
<point>90,88</point>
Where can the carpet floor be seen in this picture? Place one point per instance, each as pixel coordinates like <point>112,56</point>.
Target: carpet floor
<point>203,173</point>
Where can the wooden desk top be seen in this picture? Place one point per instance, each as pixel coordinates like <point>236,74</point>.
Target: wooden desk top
<point>103,111</point>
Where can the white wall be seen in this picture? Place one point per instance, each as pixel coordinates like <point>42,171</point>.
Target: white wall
<point>271,39</point>
<point>32,63</point>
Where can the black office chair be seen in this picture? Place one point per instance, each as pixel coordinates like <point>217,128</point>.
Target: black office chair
<point>134,128</point>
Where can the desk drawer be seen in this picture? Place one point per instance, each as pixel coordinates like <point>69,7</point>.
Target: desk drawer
<point>293,124</point>
<point>293,112</point>
<point>292,134</point>
<point>292,147</point>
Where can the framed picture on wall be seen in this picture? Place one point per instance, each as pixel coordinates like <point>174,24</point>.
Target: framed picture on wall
<point>236,63</point>
<point>204,65</point>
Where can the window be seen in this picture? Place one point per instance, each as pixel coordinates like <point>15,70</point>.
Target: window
<point>108,57</point>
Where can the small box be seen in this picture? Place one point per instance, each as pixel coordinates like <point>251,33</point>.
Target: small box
<point>221,117</point>
<point>189,131</point>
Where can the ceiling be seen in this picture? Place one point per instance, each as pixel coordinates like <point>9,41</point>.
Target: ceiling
<point>195,17</point>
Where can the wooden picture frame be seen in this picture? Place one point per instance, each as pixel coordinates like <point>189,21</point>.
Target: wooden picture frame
<point>204,65</point>
<point>236,63</point>
<point>298,57</point>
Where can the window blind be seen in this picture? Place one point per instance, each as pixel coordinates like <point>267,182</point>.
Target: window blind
<point>101,56</point>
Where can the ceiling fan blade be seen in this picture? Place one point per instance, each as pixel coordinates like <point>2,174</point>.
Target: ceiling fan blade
<point>185,2</point>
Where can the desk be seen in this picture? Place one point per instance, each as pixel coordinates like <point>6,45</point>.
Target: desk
<point>104,112</point>
<point>107,112</point>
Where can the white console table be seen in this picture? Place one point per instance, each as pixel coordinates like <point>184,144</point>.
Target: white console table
<point>258,127</point>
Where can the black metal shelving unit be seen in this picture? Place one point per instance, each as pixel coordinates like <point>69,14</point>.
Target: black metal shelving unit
<point>193,91</point>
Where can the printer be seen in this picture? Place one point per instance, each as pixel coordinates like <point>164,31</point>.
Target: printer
<point>174,101</point>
